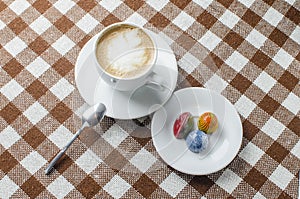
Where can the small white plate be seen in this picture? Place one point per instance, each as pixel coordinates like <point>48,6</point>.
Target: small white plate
<point>223,144</point>
<point>125,105</point>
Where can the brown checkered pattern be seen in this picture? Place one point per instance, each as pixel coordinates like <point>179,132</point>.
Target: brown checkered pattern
<point>252,47</point>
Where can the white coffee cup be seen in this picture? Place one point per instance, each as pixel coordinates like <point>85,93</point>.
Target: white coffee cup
<point>125,56</point>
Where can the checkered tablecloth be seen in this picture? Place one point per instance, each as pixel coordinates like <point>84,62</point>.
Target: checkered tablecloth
<point>247,50</point>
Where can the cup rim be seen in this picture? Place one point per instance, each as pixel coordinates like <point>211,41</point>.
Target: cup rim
<point>107,28</point>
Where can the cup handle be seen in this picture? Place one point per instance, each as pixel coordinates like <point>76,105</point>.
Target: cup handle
<point>156,82</point>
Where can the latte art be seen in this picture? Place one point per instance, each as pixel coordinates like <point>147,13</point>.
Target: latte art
<point>125,51</point>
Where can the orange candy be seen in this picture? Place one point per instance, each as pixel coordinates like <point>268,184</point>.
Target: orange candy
<point>208,122</point>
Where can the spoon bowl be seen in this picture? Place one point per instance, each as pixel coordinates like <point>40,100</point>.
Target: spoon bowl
<point>94,114</point>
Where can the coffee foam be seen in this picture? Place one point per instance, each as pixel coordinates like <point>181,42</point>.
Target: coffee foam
<point>125,52</point>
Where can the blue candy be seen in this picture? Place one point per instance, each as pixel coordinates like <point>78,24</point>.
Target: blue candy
<point>197,141</point>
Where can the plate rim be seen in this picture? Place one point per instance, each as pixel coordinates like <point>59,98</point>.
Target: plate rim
<point>240,127</point>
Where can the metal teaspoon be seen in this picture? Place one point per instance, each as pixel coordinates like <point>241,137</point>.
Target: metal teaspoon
<point>91,117</point>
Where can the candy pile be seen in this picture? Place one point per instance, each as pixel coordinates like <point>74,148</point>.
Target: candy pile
<point>196,140</point>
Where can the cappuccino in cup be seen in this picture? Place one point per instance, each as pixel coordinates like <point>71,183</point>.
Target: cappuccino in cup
<point>125,51</point>
<point>125,57</point>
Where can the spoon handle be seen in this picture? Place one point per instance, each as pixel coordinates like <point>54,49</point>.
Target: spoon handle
<point>53,162</point>
<point>62,151</point>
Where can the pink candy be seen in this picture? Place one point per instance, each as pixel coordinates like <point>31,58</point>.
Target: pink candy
<point>183,125</point>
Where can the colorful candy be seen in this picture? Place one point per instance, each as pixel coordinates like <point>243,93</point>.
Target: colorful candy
<point>197,141</point>
<point>208,122</point>
<point>183,125</point>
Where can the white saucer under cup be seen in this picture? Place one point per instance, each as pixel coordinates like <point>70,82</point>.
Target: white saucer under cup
<point>137,102</point>
<point>129,104</point>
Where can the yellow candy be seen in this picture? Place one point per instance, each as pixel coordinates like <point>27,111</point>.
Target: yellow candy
<point>208,122</point>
